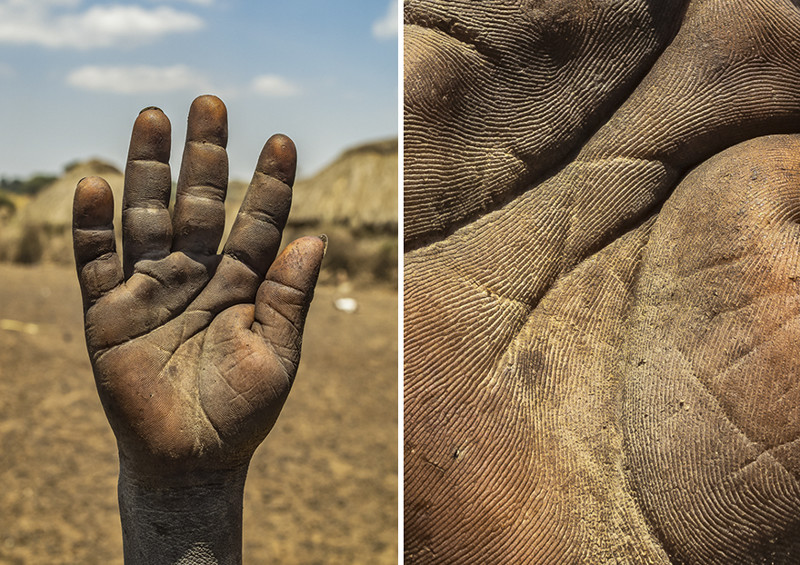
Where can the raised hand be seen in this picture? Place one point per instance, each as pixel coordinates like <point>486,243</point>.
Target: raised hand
<point>194,352</point>
<point>597,358</point>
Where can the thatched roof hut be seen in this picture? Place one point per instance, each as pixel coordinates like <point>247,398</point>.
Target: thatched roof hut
<point>41,231</point>
<point>53,205</point>
<point>357,191</point>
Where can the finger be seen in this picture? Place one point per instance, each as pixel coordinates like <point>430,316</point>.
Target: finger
<point>146,225</point>
<point>284,297</point>
<point>256,233</point>
<point>199,215</point>
<point>96,258</point>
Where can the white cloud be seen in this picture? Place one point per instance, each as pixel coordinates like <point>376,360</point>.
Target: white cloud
<point>38,4</point>
<point>139,79</point>
<point>274,85</point>
<point>41,22</point>
<point>198,2</point>
<point>386,27</point>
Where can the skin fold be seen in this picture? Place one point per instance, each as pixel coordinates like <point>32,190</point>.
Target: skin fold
<point>601,216</point>
<point>194,351</point>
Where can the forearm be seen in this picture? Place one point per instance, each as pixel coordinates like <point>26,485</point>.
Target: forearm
<point>198,523</point>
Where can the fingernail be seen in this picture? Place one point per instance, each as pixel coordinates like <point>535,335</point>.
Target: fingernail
<point>150,108</point>
<point>324,239</point>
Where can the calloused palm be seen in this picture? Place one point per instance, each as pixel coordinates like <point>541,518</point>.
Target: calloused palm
<point>600,282</point>
<point>194,352</point>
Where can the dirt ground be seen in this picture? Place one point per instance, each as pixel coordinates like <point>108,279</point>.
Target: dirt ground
<point>321,489</point>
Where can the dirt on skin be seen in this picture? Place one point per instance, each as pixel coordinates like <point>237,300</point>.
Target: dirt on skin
<point>321,489</point>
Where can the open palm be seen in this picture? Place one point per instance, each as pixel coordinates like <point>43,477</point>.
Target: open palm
<point>194,352</point>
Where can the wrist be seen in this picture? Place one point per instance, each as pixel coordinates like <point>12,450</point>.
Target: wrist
<point>196,518</point>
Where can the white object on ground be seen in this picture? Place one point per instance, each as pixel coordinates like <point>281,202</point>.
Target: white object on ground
<point>347,305</point>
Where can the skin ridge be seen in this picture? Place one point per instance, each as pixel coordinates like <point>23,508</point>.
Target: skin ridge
<point>778,554</point>
<point>646,215</point>
<point>652,210</point>
<point>418,552</point>
<point>98,354</point>
<point>532,308</point>
<point>529,182</point>
<point>429,241</point>
<point>646,225</point>
<point>658,535</point>
<point>670,547</point>
<point>454,30</point>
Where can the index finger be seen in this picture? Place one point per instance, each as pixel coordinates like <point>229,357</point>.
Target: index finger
<point>256,233</point>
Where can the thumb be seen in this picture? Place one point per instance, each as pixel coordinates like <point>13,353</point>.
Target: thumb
<point>284,297</point>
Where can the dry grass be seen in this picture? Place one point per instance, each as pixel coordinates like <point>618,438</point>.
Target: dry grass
<point>321,489</point>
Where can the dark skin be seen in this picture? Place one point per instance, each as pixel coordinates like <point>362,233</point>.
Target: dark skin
<point>194,352</point>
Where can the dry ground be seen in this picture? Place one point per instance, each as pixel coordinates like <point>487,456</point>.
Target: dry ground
<point>322,488</point>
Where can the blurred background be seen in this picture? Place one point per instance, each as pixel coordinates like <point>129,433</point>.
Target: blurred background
<point>73,76</point>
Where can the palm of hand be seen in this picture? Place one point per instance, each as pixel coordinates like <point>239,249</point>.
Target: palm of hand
<point>196,388</point>
<point>194,353</point>
<point>591,367</point>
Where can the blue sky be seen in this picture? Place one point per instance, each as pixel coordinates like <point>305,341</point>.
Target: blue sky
<point>75,73</point>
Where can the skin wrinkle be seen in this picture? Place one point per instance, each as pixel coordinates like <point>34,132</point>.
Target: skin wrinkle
<point>522,183</point>
<point>626,288</point>
<point>186,336</point>
<point>263,218</point>
<point>532,309</point>
<point>287,318</point>
<point>693,373</point>
<point>210,195</point>
<point>293,291</point>
<point>767,453</point>
<point>165,315</point>
<point>95,283</point>
<point>197,396</point>
<point>763,338</point>
<point>445,282</point>
<point>755,349</point>
<point>236,394</point>
<point>240,261</point>
<point>149,162</point>
<point>289,368</point>
<point>267,177</point>
<point>489,55</point>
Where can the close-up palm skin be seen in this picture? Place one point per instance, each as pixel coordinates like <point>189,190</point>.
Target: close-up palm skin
<point>194,352</point>
<point>602,221</point>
